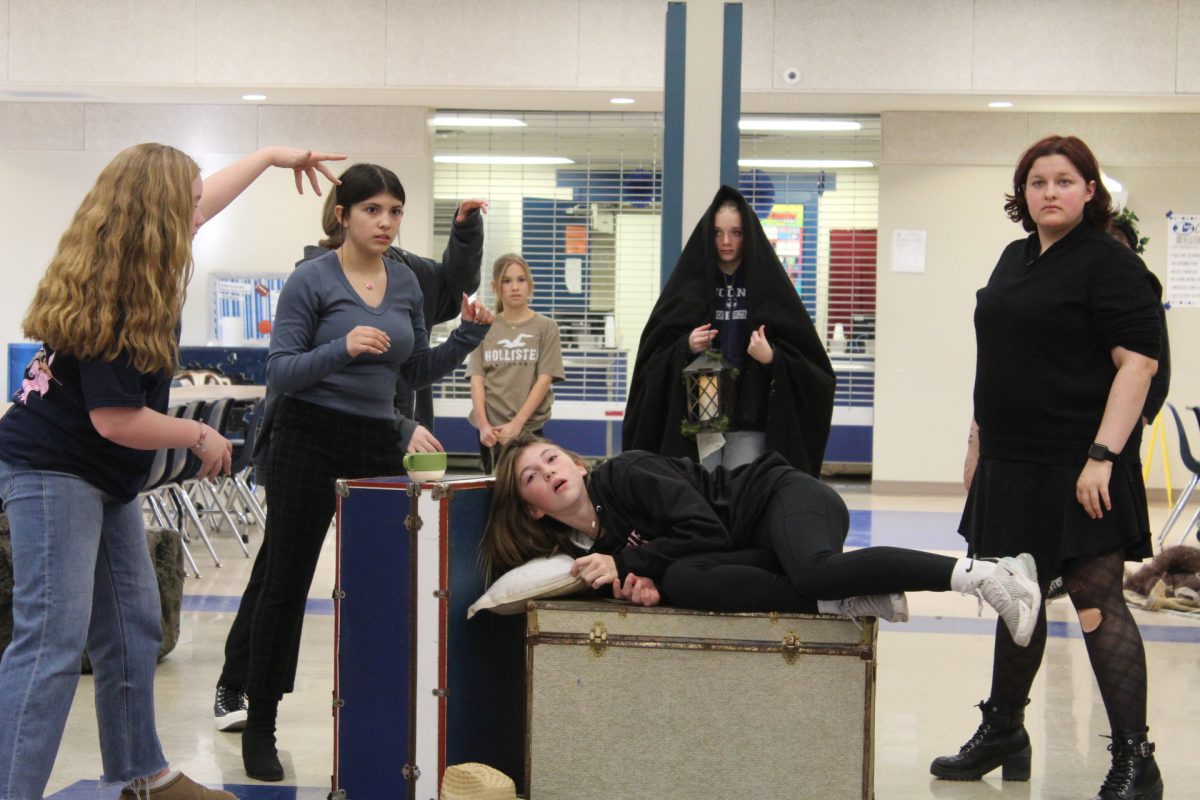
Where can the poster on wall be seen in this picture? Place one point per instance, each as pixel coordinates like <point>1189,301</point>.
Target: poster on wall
<point>784,227</point>
<point>243,307</point>
<point>1183,260</point>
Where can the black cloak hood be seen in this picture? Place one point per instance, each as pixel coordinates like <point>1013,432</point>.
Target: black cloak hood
<point>794,395</point>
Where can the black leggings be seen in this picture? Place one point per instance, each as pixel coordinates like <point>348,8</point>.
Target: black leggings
<point>311,447</point>
<point>795,558</point>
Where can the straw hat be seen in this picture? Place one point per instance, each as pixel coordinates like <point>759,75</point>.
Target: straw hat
<point>474,781</point>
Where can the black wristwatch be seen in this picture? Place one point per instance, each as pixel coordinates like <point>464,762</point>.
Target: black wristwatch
<point>1099,452</point>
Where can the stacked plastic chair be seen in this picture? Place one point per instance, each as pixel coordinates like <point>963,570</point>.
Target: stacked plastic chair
<point>1189,461</point>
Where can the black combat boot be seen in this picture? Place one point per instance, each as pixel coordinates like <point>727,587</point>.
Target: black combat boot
<point>1000,741</point>
<point>1134,774</point>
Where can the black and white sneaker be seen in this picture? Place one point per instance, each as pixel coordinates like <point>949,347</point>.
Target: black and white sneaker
<point>229,709</point>
<point>1056,589</point>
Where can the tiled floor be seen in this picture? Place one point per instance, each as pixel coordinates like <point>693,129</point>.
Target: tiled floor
<point>931,672</point>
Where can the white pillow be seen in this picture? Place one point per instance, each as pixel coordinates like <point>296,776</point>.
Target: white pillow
<point>541,577</point>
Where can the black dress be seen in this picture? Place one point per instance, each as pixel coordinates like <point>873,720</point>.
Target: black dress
<point>1045,328</point>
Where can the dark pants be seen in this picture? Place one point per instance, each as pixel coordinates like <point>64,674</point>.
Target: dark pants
<point>311,447</point>
<point>795,557</point>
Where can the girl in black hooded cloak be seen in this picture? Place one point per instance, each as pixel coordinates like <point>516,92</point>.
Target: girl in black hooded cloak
<point>729,292</point>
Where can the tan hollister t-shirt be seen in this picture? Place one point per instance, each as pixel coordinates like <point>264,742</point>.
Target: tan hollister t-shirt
<point>510,360</point>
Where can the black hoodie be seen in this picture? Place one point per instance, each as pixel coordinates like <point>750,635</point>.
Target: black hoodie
<point>792,400</point>
<point>654,510</point>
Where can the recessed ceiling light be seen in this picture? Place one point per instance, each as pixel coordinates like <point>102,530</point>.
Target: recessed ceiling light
<point>999,104</point>
<point>476,122</point>
<point>510,160</point>
<point>804,163</point>
<point>622,101</point>
<point>254,97</point>
<point>797,124</point>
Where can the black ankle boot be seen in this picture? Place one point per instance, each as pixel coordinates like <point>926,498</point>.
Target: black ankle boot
<point>1000,741</point>
<point>259,757</point>
<point>1134,774</point>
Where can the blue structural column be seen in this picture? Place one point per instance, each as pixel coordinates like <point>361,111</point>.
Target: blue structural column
<point>731,93</point>
<point>701,104</point>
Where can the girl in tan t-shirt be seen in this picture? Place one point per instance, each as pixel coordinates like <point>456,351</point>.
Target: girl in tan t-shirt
<point>511,372</point>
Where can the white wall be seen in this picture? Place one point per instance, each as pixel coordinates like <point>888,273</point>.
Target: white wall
<point>925,46</point>
<point>947,174</point>
<point>264,230</point>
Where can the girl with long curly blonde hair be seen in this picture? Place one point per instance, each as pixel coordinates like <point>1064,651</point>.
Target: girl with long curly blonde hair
<point>75,449</point>
<point>119,278</point>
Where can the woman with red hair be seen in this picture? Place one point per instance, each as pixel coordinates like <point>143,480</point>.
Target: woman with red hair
<point>1068,337</point>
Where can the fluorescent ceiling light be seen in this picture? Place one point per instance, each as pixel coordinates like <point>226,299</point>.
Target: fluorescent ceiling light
<point>803,163</point>
<point>523,160</point>
<point>1000,104</point>
<point>254,97</point>
<point>476,122</point>
<point>797,124</point>
<point>621,101</point>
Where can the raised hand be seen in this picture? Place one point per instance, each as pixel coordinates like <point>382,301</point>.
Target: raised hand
<point>760,349</point>
<point>468,206</point>
<point>476,312</point>
<point>305,162</point>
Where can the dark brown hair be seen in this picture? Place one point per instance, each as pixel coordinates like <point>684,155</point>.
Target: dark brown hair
<point>513,536</point>
<point>1098,210</point>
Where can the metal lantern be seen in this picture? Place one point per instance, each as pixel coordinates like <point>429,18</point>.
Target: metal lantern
<point>709,380</point>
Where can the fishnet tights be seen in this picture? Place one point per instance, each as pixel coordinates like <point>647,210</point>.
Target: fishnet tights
<point>1114,647</point>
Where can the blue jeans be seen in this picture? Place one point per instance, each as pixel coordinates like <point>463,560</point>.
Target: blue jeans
<point>82,574</point>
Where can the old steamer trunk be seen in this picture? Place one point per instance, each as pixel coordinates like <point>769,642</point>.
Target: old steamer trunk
<point>672,704</point>
<point>418,686</point>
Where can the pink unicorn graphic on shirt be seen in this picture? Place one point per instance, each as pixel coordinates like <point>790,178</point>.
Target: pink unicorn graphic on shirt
<point>37,377</point>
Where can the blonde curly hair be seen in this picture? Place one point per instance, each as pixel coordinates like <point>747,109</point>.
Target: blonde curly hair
<point>118,280</point>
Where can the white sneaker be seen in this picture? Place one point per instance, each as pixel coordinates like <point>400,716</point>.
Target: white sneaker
<point>890,607</point>
<point>1012,590</point>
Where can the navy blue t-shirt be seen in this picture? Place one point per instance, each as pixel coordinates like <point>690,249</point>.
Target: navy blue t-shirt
<point>48,426</point>
<point>730,316</point>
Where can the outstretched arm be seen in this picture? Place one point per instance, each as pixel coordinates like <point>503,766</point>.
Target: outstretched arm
<point>222,187</point>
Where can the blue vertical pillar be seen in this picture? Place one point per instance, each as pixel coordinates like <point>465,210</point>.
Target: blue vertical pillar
<point>672,190</point>
<point>700,136</point>
<point>731,93</point>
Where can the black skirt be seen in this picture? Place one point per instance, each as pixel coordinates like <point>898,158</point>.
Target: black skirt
<point>1023,507</point>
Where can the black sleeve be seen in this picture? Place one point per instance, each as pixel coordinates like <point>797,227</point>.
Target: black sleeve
<point>444,284</point>
<point>1124,306</point>
<point>111,384</point>
<point>675,519</point>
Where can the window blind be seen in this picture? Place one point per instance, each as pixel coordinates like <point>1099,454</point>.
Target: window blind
<point>589,225</point>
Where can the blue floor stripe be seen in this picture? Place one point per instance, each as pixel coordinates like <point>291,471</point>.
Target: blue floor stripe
<point>228,603</point>
<point>1057,629</point>
<point>921,530</point>
<point>91,790</point>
